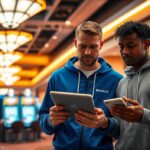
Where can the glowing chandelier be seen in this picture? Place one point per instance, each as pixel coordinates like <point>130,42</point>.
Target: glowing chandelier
<point>9,80</point>
<point>11,39</point>
<point>7,74</point>
<point>14,12</point>
<point>6,59</point>
<point>8,71</point>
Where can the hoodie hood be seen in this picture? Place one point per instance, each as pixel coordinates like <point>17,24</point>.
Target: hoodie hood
<point>130,70</point>
<point>105,67</point>
<point>139,73</point>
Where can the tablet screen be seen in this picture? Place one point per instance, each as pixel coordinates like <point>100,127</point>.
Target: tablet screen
<point>73,101</point>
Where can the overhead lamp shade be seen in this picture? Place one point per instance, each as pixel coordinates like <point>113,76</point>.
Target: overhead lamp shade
<point>9,80</point>
<point>11,39</point>
<point>14,12</point>
<point>3,91</point>
<point>9,71</point>
<point>7,59</point>
<point>7,74</point>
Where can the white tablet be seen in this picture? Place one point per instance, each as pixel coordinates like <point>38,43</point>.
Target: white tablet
<point>114,102</point>
<point>73,101</point>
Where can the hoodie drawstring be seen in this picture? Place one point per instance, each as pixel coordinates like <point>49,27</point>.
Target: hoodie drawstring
<point>127,87</point>
<point>137,87</point>
<point>79,78</point>
<point>78,88</point>
<point>94,84</point>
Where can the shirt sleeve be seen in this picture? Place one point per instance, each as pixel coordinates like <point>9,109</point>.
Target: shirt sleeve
<point>146,117</point>
<point>44,117</point>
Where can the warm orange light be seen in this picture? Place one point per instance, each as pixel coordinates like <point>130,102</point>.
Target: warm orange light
<point>108,30</point>
<point>14,12</point>
<point>134,14</point>
<point>55,64</point>
<point>12,39</point>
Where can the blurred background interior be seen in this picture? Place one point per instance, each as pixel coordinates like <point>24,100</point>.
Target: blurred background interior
<point>36,38</point>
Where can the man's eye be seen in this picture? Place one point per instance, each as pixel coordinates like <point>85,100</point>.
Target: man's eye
<point>93,47</point>
<point>82,46</point>
<point>130,46</point>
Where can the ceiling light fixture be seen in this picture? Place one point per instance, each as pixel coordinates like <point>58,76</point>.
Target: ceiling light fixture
<point>7,59</point>
<point>9,71</point>
<point>14,12</point>
<point>68,22</point>
<point>3,91</point>
<point>11,39</point>
<point>7,74</point>
<point>9,80</point>
<point>46,45</point>
<point>54,37</point>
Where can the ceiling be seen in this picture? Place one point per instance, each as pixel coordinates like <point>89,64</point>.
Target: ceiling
<point>53,35</point>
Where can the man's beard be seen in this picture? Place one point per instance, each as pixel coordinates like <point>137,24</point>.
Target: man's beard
<point>87,62</point>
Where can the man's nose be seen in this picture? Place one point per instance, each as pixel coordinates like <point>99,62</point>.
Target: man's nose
<point>87,50</point>
<point>125,51</point>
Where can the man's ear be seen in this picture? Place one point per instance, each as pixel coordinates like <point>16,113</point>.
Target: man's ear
<point>146,44</point>
<point>101,43</point>
<point>75,42</point>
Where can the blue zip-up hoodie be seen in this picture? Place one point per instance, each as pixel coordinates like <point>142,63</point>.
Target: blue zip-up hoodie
<point>70,135</point>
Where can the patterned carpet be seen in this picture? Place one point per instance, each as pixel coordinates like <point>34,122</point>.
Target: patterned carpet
<point>42,144</point>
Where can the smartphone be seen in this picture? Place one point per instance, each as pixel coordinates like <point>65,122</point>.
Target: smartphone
<point>114,102</point>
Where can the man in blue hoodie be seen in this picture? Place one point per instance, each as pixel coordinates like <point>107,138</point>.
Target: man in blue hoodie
<point>86,73</point>
<point>131,124</point>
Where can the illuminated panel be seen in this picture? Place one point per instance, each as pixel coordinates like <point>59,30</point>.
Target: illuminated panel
<point>28,110</point>
<point>10,115</point>
<point>9,101</point>
<point>10,111</point>
<point>28,115</point>
<point>27,101</point>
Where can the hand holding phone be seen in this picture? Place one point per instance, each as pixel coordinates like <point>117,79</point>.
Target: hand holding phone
<point>114,102</point>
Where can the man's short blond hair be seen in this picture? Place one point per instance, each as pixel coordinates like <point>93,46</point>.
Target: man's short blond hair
<point>90,28</point>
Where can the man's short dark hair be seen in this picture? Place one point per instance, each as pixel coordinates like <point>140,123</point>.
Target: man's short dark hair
<point>142,30</point>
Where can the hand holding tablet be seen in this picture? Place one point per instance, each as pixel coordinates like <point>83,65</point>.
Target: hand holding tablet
<point>114,102</point>
<point>73,102</point>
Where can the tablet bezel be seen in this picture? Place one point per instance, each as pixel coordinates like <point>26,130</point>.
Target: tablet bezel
<point>73,101</point>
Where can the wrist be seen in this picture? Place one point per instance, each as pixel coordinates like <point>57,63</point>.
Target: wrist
<point>51,122</point>
<point>141,115</point>
<point>105,123</point>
